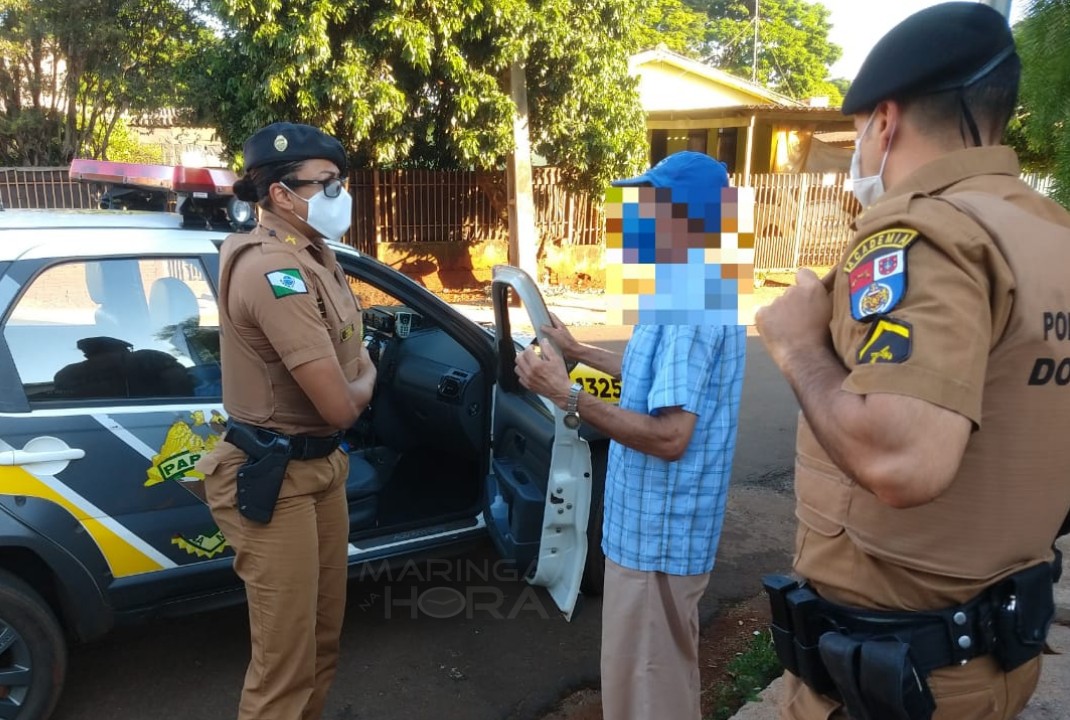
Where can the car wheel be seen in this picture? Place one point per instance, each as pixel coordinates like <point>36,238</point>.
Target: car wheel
<point>594,570</point>
<point>33,652</point>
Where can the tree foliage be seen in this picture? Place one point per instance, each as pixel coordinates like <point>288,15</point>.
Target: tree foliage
<point>425,84</point>
<point>70,69</point>
<point>1042,129</point>
<point>794,51</point>
<point>674,24</point>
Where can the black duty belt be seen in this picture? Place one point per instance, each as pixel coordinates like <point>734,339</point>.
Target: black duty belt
<point>254,441</point>
<point>936,639</point>
<point>877,662</point>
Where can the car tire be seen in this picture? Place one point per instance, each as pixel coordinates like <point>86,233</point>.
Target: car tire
<point>594,569</point>
<point>30,638</point>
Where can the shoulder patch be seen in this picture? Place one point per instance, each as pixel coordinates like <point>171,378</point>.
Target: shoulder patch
<point>877,272</point>
<point>888,341</point>
<point>286,282</point>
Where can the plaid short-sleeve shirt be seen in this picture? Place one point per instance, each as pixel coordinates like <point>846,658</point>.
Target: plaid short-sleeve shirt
<point>666,516</point>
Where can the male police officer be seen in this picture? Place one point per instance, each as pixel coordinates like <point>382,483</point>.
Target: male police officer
<point>931,469</point>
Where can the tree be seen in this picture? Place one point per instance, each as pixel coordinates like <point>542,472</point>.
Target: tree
<point>70,69</point>
<point>424,84</point>
<point>794,52</point>
<point>1043,38</point>
<point>671,23</point>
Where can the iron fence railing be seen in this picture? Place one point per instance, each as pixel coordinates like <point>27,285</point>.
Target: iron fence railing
<point>801,220</point>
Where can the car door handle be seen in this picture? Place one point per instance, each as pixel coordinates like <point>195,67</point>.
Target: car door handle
<point>29,457</point>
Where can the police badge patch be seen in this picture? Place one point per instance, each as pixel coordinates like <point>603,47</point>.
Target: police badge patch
<point>888,341</point>
<point>877,272</point>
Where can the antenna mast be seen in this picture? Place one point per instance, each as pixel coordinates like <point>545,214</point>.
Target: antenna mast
<point>754,59</point>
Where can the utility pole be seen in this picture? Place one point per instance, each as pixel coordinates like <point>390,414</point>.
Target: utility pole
<point>754,59</point>
<point>523,237</point>
<point>1003,6</point>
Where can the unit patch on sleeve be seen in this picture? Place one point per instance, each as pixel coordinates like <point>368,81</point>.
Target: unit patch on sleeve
<point>888,341</point>
<point>286,282</point>
<point>877,272</point>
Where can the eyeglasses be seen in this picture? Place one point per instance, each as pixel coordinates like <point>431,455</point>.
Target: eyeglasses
<point>332,187</point>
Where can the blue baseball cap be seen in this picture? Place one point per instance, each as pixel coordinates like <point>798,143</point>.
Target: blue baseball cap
<point>694,178</point>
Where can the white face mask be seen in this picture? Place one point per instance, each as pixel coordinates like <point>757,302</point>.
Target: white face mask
<point>867,189</point>
<point>328,216</point>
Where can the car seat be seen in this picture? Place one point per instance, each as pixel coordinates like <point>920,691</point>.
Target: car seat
<point>176,316</point>
<point>173,310</point>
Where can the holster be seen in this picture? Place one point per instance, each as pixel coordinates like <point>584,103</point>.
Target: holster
<point>876,678</point>
<point>877,662</point>
<point>1025,608</point>
<point>260,478</point>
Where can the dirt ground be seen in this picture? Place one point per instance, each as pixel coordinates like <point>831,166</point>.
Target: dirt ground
<point>722,639</point>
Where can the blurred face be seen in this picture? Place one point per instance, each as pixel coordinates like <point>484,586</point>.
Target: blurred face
<point>674,260</point>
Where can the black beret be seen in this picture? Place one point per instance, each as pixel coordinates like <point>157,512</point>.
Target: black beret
<point>291,142</point>
<point>943,47</point>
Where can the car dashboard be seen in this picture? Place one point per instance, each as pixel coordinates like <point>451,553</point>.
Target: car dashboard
<point>430,391</point>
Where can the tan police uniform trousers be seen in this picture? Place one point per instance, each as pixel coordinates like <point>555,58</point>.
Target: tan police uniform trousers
<point>650,633</point>
<point>295,574</point>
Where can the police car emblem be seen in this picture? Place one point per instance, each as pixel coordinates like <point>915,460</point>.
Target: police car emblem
<point>877,272</point>
<point>281,143</point>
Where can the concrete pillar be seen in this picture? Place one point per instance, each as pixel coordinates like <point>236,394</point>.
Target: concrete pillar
<point>523,238</point>
<point>750,152</point>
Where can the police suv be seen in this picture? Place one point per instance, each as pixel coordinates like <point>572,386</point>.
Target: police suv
<point>110,392</point>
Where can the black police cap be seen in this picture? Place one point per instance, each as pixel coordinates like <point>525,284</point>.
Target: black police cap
<point>946,46</point>
<point>291,142</point>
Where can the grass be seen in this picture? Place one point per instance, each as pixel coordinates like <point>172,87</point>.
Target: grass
<point>749,672</point>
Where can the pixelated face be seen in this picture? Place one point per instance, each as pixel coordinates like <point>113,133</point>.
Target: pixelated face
<point>678,260</point>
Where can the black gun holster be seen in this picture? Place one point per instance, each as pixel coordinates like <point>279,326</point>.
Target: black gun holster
<point>260,478</point>
<point>877,662</point>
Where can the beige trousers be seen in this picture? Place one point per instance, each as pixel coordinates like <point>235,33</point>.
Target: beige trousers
<point>650,634</point>
<point>295,573</point>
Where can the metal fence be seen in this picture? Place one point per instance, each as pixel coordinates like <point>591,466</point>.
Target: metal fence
<point>396,206</point>
<point>801,220</point>
<point>43,187</point>
<point>1041,183</point>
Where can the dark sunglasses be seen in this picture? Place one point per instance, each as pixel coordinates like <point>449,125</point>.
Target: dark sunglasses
<point>332,187</point>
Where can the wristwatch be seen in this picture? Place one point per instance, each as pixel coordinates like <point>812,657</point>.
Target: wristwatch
<point>572,415</point>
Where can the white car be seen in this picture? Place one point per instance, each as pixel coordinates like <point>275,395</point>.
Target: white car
<point>110,392</point>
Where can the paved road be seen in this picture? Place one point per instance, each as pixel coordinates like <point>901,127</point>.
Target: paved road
<point>511,659</point>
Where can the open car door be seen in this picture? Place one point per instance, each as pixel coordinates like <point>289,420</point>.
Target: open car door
<point>538,493</point>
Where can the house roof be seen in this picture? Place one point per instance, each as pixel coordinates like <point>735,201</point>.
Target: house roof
<point>825,119</point>
<point>707,72</point>
<point>843,137</point>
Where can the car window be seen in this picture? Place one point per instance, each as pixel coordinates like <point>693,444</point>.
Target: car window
<point>117,329</point>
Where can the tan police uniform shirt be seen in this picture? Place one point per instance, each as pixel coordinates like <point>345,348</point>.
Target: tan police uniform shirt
<point>284,302</point>
<point>946,295</point>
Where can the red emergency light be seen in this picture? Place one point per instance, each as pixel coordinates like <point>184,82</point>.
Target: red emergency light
<point>176,179</point>
<point>204,197</point>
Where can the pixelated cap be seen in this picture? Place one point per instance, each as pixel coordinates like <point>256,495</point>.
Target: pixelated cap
<point>695,175</point>
<point>291,142</point>
<point>943,47</point>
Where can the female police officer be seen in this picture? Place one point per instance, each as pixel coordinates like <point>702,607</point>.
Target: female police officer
<point>295,374</point>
